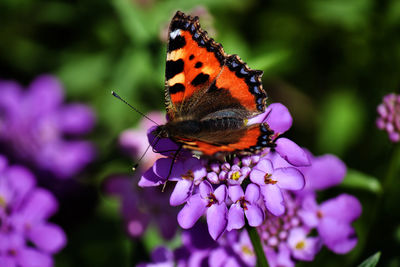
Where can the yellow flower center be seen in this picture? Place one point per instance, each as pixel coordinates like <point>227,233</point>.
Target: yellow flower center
<point>300,245</point>
<point>320,214</point>
<point>235,176</point>
<point>247,250</point>
<point>188,176</point>
<point>268,180</point>
<point>2,202</point>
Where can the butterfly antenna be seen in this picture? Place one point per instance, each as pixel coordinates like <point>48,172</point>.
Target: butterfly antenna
<point>132,107</point>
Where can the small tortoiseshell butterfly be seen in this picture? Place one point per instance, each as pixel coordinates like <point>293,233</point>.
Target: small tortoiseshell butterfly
<point>210,95</point>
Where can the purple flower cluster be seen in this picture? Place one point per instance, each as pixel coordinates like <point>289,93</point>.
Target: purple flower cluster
<point>226,192</point>
<point>389,116</point>
<point>296,235</point>
<point>37,128</point>
<point>198,249</point>
<point>26,237</point>
<point>306,225</point>
<point>141,207</point>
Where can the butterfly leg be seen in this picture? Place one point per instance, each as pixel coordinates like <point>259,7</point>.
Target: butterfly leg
<point>172,165</point>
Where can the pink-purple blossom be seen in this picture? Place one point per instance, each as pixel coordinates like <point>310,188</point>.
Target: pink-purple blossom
<point>141,207</point>
<point>26,236</point>
<point>273,190</point>
<point>248,171</point>
<point>389,116</point>
<point>297,235</point>
<point>37,128</point>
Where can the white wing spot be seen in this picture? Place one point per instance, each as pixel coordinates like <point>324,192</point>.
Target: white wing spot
<point>175,33</point>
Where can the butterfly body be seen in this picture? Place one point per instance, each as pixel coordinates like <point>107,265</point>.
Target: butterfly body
<point>210,95</point>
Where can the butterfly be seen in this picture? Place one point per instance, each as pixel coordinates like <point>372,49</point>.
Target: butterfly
<point>210,95</point>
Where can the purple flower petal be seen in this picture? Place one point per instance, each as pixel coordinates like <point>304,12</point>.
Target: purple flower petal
<point>205,189</point>
<point>235,217</point>
<point>337,236</point>
<point>252,193</point>
<point>75,119</point>
<point>182,191</point>
<point>20,179</point>
<point>45,94</point>
<point>258,177</point>
<point>10,96</point>
<point>308,212</point>
<point>254,215</point>
<point>291,152</point>
<point>162,255</point>
<point>48,237</point>
<point>217,220</point>
<point>162,168</point>
<point>273,199</point>
<point>235,192</point>
<point>289,178</point>
<point>192,211</point>
<point>326,171</point>
<point>303,248</point>
<point>212,177</point>
<point>265,165</point>
<point>345,208</point>
<point>221,193</point>
<point>279,118</point>
<point>75,155</point>
<point>164,146</point>
<point>218,257</point>
<point>7,261</point>
<point>42,205</point>
<point>29,257</point>
<point>149,178</point>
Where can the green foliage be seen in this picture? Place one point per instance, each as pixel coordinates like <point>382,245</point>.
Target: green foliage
<point>358,180</point>
<point>371,261</point>
<point>329,61</point>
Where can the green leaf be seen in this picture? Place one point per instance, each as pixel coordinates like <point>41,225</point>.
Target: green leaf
<point>270,61</point>
<point>371,261</point>
<point>84,72</point>
<point>348,14</point>
<point>341,122</point>
<point>359,180</point>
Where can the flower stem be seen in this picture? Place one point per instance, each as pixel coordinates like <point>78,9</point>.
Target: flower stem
<point>258,249</point>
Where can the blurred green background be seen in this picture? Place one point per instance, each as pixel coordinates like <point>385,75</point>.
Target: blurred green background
<point>329,61</point>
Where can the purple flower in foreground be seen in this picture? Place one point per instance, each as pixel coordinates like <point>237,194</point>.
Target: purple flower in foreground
<point>244,204</point>
<point>271,181</point>
<point>36,127</point>
<point>131,140</point>
<point>187,173</point>
<point>26,237</point>
<point>209,201</point>
<point>266,189</point>
<point>160,257</point>
<point>303,247</point>
<point>333,220</point>
<point>141,207</point>
<point>389,116</point>
<point>317,176</point>
<point>238,174</point>
<point>198,249</point>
